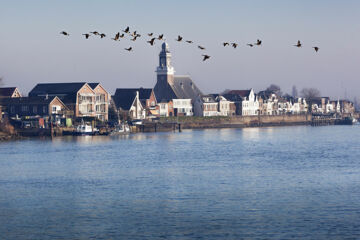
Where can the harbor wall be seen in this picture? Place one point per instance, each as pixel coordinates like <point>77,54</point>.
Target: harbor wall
<point>240,121</point>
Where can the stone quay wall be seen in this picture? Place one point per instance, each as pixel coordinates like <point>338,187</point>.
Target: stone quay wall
<point>240,121</point>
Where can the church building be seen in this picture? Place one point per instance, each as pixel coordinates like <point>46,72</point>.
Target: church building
<point>170,86</point>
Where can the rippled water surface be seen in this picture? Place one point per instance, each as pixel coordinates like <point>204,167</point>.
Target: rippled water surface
<point>265,183</point>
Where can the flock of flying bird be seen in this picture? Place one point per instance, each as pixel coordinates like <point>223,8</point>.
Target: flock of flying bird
<point>135,35</point>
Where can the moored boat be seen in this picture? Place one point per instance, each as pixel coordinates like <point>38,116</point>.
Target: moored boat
<point>121,129</point>
<point>85,129</point>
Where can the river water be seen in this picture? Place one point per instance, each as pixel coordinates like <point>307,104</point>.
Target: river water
<point>255,183</point>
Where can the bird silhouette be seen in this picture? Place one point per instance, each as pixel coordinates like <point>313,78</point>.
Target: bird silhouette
<point>189,41</point>
<point>133,34</point>
<point>102,35</point>
<point>150,34</point>
<point>65,33</point>
<point>117,36</point>
<point>134,38</point>
<point>225,44</point>
<point>161,37</point>
<point>127,30</point>
<point>205,57</point>
<point>316,49</point>
<point>151,41</point>
<point>250,45</point>
<point>200,47</point>
<point>95,33</point>
<point>258,42</point>
<point>129,49</point>
<point>234,45</point>
<point>86,35</point>
<point>122,35</point>
<point>298,44</point>
<point>179,38</point>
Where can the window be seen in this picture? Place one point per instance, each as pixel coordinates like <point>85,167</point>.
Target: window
<point>12,109</point>
<point>24,108</point>
<point>54,109</point>
<point>44,109</point>
<point>34,109</point>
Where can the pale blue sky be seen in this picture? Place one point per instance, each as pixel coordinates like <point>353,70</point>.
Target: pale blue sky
<point>32,50</point>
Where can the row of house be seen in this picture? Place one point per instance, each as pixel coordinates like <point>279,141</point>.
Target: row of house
<point>57,101</point>
<point>172,95</point>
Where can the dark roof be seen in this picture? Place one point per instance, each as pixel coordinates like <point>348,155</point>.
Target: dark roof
<point>233,97</point>
<point>209,97</point>
<point>185,88</point>
<point>28,100</point>
<point>242,93</point>
<point>65,91</point>
<point>124,97</point>
<point>7,92</point>
<point>144,93</point>
<point>93,85</point>
<point>56,88</point>
<point>266,94</point>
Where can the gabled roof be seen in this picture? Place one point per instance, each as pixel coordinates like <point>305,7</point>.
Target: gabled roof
<point>56,88</point>
<point>144,93</point>
<point>7,92</point>
<point>65,91</point>
<point>233,97</point>
<point>124,97</point>
<point>30,100</point>
<point>185,88</point>
<point>93,85</point>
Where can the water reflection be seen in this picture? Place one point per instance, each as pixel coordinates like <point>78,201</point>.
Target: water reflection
<point>254,183</point>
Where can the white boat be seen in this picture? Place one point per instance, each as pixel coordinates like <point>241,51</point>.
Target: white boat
<point>85,129</point>
<point>121,129</point>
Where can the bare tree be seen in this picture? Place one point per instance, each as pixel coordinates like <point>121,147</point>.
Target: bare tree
<point>225,91</point>
<point>310,93</point>
<point>274,88</point>
<point>294,91</point>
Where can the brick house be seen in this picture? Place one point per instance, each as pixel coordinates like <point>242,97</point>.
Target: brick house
<point>40,107</point>
<point>79,97</point>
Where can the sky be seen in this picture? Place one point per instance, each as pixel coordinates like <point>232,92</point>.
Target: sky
<point>32,50</point>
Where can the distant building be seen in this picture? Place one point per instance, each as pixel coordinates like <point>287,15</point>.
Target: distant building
<point>10,92</point>
<point>347,107</point>
<point>182,107</point>
<point>268,103</point>
<point>147,98</point>
<point>169,86</point>
<point>102,99</point>
<point>206,106</point>
<point>79,97</point>
<point>246,102</point>
<point>42,107</point>
<point>128,102</point>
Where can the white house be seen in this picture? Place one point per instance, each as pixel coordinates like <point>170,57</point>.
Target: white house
<point>183,107</point>
<point>205,106</point>
<point>225,107</point>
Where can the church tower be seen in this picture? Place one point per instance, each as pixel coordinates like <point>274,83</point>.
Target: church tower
<point>165,72</point>
<point>165,75</point>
